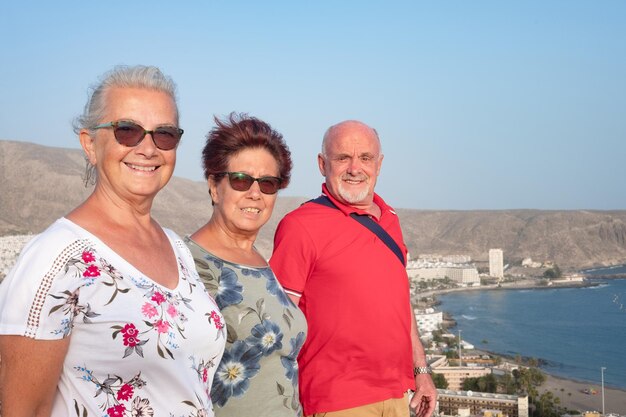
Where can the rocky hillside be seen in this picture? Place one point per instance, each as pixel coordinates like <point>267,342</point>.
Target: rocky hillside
<point>39,184</point>
<point>573,239</point>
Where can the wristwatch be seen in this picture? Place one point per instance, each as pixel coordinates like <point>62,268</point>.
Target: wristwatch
<point>422,370</point>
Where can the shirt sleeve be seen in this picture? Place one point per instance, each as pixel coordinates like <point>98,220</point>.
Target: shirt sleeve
<point>39,297</point>
<point>294,255</point>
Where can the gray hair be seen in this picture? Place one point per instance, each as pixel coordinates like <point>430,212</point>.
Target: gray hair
<point>122,76</point>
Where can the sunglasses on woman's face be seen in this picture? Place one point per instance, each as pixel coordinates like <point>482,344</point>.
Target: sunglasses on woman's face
<point>242,182</point>
<point>131,134</point>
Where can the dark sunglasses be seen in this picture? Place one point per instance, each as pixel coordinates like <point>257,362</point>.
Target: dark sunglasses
<point>242,182</point>
<point>131,134</point>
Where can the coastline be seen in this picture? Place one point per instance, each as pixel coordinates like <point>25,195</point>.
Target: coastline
<point>570,392</point>
<point>522,284</point>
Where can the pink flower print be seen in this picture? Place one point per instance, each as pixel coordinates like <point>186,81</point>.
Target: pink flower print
<point>158,298</point>
<point>162,326</point>
<point>125,393</point>
<point>217,320</point>
<point>88,257</point>
<point>130,341</point>
<point>205,375</point>
<point>130,333</point>
<point>130,329</point>
<point>172,311</point>
<point>149,310</point>
<point>91,271</point>
<point>116,410</point>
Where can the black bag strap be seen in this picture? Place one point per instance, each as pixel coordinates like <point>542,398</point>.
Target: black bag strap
<point>368,223</point>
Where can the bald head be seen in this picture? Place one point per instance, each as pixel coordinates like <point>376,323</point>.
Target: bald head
<point>348,127</point>
<point>350,162</point>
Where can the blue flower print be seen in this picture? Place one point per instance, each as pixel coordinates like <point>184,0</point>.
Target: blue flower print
<point>230,290</point>
<point>216,261</point>
<point>267,336</point>
<point>233,374</point>
<point>290,362</point>
<point>251,272</point>
<point>274,288</point>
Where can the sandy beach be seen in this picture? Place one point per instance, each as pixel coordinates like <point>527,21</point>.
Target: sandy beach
<point>573,398</point>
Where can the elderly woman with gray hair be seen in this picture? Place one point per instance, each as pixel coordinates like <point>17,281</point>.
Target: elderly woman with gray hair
<point>104,313</point>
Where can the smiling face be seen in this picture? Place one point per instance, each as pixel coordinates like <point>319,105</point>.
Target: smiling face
<point>244,212</point>
<point>351,163</point>
<point>132,174</point>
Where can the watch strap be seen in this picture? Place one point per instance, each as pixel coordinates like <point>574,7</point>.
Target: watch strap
<point>422,370</point>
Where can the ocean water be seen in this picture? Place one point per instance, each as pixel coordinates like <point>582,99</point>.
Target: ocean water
<point>575,330</point>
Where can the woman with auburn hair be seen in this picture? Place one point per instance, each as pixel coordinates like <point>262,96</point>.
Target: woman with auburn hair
<point>246,163</point>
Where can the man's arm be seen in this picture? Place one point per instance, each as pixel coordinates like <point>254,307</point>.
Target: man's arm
<point>29,374</point>
<point>425,398</point>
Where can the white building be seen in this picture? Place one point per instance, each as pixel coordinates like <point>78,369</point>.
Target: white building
<point>463,275</point>
<point>529,263</point>
<point>496,263</point>
<point>428,321</point>
<point>468,403</point>
<point>457,259</point>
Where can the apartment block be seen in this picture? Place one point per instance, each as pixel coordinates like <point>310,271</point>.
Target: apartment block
<point>468,403</point>
<point>455,375</point>
<point>496,263</point>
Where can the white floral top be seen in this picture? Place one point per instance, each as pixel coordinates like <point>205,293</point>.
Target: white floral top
<point>137,348</point>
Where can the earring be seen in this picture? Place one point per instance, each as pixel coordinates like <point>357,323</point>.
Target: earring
<point>90,175</point>
<point>211,197</point>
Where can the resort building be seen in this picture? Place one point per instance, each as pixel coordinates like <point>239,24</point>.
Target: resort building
<point>431,268</point>
<point>468,403</point>
<point>464,276</point>
<point>455,375</point>
<point>496,263</point>
<point>428,321</point>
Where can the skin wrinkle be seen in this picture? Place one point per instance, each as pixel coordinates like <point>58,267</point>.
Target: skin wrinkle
<point>351,163</point>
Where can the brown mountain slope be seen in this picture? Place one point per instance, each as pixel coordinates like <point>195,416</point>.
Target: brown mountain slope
<point>39,184</point>
<point>570,238</point>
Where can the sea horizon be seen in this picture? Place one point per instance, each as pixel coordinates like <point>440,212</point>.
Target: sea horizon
<point>585,328</point>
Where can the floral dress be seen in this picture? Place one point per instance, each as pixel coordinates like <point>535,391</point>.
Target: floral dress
<point>258,374</point>
<point>137,348</point>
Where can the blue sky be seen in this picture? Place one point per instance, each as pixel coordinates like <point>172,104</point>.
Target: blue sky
<point>479,104</point>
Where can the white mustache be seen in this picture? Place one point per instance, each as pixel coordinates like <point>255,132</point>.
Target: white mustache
<point>355,177</point>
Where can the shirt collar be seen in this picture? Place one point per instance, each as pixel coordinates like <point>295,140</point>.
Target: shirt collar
<point>348,209</point>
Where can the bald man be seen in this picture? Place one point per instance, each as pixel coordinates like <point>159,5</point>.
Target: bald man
<point>341,257</point>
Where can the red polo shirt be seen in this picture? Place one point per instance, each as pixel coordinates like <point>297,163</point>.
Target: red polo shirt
<point>355,296</point>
